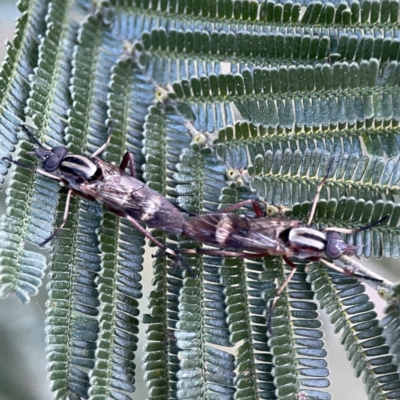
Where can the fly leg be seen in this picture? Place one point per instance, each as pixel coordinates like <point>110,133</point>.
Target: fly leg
<point>178,256</point>
<point>342,270</point>
<point>105,145</point>
<point>142,230</point>
<point>234,207</point>
<point>127,159</point>
<point>32,137</point>
<point>223,253</point>
<point>63,222</point>
<point>280,290</point>
<point>48,175</point>
<point>348,266</point>
<point>318,192</point>
<point>149,236</point>
<point>256,207</point>
<point>363,228</point>
<point>259,212</point>
<point>65,216</point>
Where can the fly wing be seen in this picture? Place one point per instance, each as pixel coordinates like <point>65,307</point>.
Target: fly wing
<point>118,191</point>
<point>230,231</point>
<point>132,197</point>
<point>264,236</point>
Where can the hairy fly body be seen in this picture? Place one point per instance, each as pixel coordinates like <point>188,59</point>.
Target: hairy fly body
<point>259,236</point>
<point>243,236</point>
<point>95,179</point>
<point>123,194</point>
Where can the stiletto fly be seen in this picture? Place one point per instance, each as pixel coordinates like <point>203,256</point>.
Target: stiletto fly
<point>95,179</point>
<point>259,236</point>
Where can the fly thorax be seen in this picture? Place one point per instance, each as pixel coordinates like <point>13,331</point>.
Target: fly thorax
<point>304,237</point>
<point>80,167</point>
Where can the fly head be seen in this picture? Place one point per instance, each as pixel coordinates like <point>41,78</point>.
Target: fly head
<point>307,242</point>
<point>51,158</point>
<point>336,247</point>
<point>53,161</point>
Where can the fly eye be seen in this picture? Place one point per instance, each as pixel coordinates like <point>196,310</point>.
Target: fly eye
<point>334,246</point>
<point>51,163</point>
<point>60,151</point>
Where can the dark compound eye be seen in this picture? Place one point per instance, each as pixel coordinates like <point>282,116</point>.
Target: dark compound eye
<point>52,163</point>
<point>61,151</point>
<point>334,245</point>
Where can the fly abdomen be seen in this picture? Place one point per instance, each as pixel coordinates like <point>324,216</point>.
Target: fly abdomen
<point>204,228</point>
<point>159,213</point>
<point>133,198</point>
<point>217,229</point>
<point>169,220</point>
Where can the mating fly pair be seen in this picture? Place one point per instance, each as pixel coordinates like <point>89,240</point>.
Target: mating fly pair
<point>234,235</point>
<point>94,179</point>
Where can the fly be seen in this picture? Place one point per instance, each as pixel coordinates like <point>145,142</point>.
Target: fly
<point>259,236</point>
<point>96,180</point>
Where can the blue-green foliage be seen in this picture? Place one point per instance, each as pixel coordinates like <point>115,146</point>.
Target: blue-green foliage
<point>219,101</point>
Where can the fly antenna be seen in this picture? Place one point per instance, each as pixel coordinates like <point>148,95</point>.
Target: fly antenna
<point>346,263</point>
<point>18,163</point>
<point>32,137</point>
<point>371,225</point>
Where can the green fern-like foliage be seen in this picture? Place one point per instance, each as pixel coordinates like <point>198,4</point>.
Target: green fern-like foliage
<point>219,101</point>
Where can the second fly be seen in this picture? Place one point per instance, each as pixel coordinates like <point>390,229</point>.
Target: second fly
<point>95,179</point>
